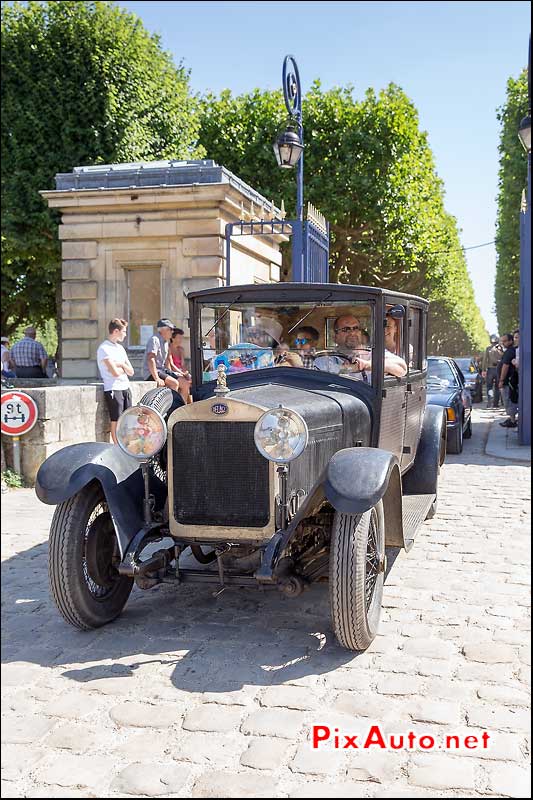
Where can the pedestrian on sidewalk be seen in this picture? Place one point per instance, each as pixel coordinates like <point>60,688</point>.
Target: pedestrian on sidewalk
<point>489,370</point>
<point>116,370</point>
<point>507,381</point>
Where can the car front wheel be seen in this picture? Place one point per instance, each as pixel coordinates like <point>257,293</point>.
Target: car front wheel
<point>356,576</point>
<point>455,439</point>
<point>83,554</point>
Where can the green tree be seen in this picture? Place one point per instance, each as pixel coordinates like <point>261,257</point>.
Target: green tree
<point>512,180</point>
<point>369,169</point>
<point>82,83</point>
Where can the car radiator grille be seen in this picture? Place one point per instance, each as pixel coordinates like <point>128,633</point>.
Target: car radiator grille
<point>218,475</point>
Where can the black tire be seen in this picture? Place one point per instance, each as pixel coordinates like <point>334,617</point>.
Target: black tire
<point>355,593</point>
<point>454,443</point>
<point>85,586</point>
<point>468,430</point>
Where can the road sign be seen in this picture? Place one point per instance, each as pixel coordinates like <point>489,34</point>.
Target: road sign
<point>19,413</point>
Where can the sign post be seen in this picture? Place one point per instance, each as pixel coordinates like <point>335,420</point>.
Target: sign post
<point>19,414</point>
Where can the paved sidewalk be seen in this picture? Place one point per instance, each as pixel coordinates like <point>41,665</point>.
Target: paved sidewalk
<point>187,695</point>
<point>503,442</point>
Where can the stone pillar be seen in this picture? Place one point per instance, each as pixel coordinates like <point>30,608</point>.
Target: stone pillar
<point>79,319</point>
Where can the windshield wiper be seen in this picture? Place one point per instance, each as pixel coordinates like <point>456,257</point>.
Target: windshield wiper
<point>309,312</point>
<point>228,308</point>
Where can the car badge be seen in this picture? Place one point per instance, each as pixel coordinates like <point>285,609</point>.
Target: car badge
<point>219,408</point>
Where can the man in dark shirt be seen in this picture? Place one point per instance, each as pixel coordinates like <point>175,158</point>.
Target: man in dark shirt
<point>506,374</point>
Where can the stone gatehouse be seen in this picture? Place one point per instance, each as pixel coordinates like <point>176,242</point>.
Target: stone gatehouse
<point>136,238</point>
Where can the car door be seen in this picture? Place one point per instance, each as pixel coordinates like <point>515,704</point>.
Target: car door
<point>416,384</point>
<point>394,399</point>
<point>463,395</point>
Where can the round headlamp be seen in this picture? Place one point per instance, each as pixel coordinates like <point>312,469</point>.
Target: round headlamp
<point>281,435</point>
<point>141,432</point>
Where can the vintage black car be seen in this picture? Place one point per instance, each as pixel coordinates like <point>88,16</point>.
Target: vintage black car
<point>447,388</point>
<point>308,448</point>
<point>472,377</point>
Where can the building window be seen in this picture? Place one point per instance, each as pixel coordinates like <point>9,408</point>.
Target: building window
<point>144,303</point>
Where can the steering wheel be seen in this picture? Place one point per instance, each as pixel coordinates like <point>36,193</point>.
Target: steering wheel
<point>345,358</point>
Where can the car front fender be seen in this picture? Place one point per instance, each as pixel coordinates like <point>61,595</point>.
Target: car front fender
<point>66,472</point>
<point>357,478</point>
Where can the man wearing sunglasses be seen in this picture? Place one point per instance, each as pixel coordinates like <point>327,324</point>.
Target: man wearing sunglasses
<point>347,331</point>
<point>305,343</point>
<point>348,335</point>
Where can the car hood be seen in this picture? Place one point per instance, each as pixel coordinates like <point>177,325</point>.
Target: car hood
<point>440,397</point>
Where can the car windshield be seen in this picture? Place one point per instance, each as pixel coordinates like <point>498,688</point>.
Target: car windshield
<point>440,373</point>
<point>322,336</point>
<point>466,365</point>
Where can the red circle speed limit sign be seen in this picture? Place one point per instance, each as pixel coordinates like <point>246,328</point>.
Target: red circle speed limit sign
<point>19,413</point>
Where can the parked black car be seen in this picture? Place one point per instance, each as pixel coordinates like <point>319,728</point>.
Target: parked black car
<point>286,475</point>
<point>446,388</point>
<point>472,376</point>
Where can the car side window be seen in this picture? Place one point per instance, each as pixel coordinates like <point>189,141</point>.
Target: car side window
<point>415,339</point>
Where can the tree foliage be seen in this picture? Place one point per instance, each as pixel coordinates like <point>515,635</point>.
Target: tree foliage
<point>82,83</point>
<point>512,180</point>
<point>370,170</point>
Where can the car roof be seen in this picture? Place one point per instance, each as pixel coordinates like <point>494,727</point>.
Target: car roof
<point>285,290</point>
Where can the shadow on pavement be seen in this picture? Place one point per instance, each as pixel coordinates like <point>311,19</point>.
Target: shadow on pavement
<point>199,642</point>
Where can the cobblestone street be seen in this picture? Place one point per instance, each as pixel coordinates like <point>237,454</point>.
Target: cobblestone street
<point>191,695</point>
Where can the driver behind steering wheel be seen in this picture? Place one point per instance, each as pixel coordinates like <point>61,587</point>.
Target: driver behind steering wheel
<point>348,341</point>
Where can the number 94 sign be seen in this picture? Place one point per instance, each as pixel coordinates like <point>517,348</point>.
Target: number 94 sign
<point>19,413</point>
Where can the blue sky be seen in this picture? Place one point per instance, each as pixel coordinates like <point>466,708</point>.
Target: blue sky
<point>453,59</point>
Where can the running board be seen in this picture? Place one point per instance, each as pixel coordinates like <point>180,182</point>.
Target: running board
<point>414,512</point>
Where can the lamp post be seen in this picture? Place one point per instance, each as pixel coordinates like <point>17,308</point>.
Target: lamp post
<point>288,149</point>
<point>524,394</point>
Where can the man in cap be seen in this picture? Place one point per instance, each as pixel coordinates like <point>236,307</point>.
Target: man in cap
<point>7,372</point>
<point>489,370</point>
<point>29,357</point>
<point>155,355</point>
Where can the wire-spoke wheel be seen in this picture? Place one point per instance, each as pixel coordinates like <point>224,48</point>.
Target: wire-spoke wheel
<point>357,568</point>
<point>83,559</point>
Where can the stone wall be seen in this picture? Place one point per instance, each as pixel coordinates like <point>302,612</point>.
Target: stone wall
<point>67,415</point>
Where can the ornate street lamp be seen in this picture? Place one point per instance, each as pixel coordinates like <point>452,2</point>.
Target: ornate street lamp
<point>288,148</point>
<point>524,391</point>
<point>524,133</point>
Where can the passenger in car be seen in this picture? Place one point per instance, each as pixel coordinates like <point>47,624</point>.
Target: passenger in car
<point>394,364</point>
<point>266,332</point>
<point>347,336</point>
<point>305,343</point>
<point>286,358</point>
<point>350,338</point>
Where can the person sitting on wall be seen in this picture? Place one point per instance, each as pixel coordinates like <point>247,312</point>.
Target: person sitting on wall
<point>155,356</point>
<point>175,364</point>
<point>29,357</point>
